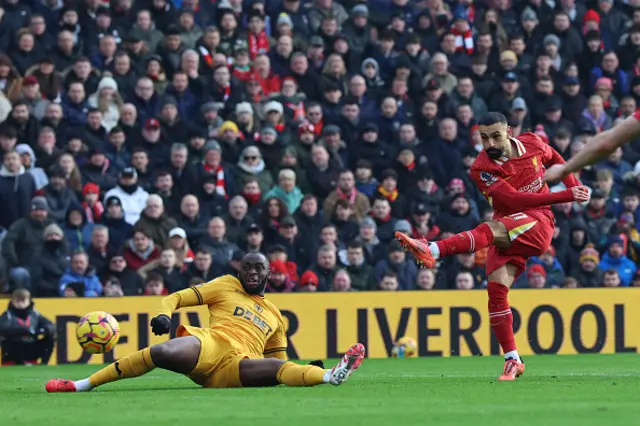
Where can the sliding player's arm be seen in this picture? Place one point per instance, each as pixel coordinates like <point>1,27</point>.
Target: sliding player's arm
<point>193,296</point>
<point>599,148</point>
<point>505,198</point>
<point>276,346</point>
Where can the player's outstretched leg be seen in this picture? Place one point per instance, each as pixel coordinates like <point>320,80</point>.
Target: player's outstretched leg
<point>501,319</point>
<point>178,355</point>
<point>272,372</point>
<point>426,253</point>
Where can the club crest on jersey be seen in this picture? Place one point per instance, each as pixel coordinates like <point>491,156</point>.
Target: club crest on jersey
<point>258,308</point>
<point>488,178</point>
<point>534,160</point>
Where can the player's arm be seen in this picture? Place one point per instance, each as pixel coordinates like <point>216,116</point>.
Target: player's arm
<point>597,149</point>
<point>192,296</point>
<point>505,198</point>
<point>276,346</point>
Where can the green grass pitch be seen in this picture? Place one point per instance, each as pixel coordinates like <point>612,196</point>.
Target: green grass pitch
<point>555,390</point>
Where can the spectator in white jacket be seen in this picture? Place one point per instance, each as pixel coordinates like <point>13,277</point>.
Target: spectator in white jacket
<point>28,159</point>
<point>108,100</point>
<point>131,195</point>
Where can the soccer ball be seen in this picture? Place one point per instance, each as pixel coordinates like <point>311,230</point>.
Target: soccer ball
<point>98,332</point>
<point>405,347</point>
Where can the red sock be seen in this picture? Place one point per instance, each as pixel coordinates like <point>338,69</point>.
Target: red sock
<point>466,242</point>
<point>500,316</point>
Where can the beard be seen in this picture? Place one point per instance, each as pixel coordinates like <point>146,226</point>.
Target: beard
<point>494,153</point>
<point>259,289</point>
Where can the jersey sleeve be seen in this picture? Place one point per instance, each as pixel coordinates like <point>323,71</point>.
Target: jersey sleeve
<point>204,294</point>
<point>551,157</point>
<point>505,199</point>
<point>276,346</point>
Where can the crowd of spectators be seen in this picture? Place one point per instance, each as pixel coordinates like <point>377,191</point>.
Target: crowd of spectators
<point>146,146</point>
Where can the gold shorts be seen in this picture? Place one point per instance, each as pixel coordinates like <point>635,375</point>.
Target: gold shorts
<point>219,361</point>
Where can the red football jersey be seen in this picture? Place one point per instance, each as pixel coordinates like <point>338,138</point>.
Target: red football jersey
<point>523,173</point>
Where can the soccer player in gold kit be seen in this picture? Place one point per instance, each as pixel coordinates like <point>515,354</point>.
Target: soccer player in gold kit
<point>245,345</point>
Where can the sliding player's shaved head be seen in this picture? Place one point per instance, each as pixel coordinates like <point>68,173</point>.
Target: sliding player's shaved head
<point>254,273</point>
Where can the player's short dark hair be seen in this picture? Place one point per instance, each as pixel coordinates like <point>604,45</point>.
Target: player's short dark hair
<point>492,118</point>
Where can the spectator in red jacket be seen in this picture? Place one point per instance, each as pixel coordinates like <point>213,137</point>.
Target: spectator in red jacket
<point>140,250</point>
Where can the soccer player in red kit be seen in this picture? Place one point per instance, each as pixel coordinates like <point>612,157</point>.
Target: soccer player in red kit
<point>509,174</point>
<point>598,148</point>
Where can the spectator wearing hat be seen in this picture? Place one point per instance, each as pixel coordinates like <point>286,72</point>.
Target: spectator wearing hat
<point>28,160</point>
<point>16,189</point>
<point>553,119</point>
<point>615,259</point>
<point>510,90</point>
<point>588,273</point>
<point>254,239</point>
<point>31,95</point>
<point>58,195</point>
<point>114,219</point>
<point>426,187</point>
<point>231,141</point>
<point>536,276</point>
<point>225,184</point>
<point>279,281</point>
<point>23,238</point>
<point>132,197</point>
<point>299,248</point>
<point>308,282</point>
<point>98,170</point>
<point>610,103</point>
<point>77,231</point>
<point>180,245</point>
<point>50,263</point>
<point>626,229</point>
<point>577,240</point>
<point>573,100</point>
<point>297,15</point>
<point>358,30</point>
<point>421,219</point>
<point>247,124</point>
<point>155,221</point>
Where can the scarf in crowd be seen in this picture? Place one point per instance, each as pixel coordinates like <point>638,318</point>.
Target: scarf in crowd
<point>258,45</point>
<point>411,166</point>
<point>351,197</point>
<point>464,41</point>
<point>298,110</point>
<point>243,74</point>
<point>389,195</point>
<point>254,170</point>
<point>227,91</point>
<point>94,213</point>
<point>252,199</point>
<point>219,172</point>
<point>385,219</point>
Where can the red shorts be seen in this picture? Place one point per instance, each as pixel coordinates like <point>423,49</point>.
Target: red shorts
<point>530,233</point>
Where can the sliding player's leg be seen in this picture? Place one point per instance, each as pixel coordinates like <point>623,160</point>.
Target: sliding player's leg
<point>272,372</point>
<point>178,355</point>
<point>489,233</point>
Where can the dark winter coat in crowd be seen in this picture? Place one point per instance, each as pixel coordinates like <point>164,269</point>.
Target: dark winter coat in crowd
<point>48,267</point>
<point>158,229</point>
<point>16,191</point>
<point>59,202</point>
<point>131,282</point>
<point>25,237</point>
<point>119,231</point>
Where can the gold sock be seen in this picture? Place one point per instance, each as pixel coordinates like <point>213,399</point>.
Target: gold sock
<point>133,365</point>
<point>291,374</point>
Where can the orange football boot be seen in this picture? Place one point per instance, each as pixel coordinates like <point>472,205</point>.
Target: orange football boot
<point>418,248</point>
<point>512,370</point>
<point>60,385</point>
